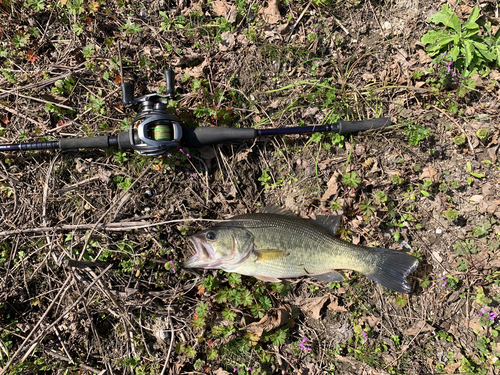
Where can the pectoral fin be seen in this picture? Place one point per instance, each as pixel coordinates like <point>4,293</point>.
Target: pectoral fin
<point>330,277</point>
<point>270,254</point>
<point>268,279</point>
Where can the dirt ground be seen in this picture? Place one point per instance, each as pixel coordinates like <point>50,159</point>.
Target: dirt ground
<point>92,241</point>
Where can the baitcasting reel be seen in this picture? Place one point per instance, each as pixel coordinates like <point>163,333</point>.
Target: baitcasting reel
<point>153,131</point>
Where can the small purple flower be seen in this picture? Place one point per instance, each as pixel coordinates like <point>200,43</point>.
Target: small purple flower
<point>448,66</point>
<point>173,266</point>
<point>492,316</point>
<point>365,336</point>
<point>250,368</point>
<point>302,345</point>
<point>314,30</point>
<point>444,54</point>
<point>235,369</point>
<point>444,280</point>
<point>185,153</point>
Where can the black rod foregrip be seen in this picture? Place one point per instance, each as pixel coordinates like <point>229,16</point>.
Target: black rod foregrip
<point>357,126</point>
<point>199,137</point>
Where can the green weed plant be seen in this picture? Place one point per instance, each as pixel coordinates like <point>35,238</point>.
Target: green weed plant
<point>471,45</point>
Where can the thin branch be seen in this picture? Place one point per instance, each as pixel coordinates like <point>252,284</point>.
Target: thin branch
<point>110,227</point>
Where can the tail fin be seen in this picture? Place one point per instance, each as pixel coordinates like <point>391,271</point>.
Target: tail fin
<point>391,269</point>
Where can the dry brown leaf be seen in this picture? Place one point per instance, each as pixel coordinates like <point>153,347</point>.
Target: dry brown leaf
<point>474,324</point>
<point>494,75</point>
<point>223,9</point>
<point>368,76</point>
<point>454,330</point>
<point>419,327</point>
<point>220,371</point>
<point>310,111</point>
<point>429,173</point>
<point>312,306</point>
<point>220,8</point>
<point>197,71</point>
<point>232,15</point>
<point>271,13</point>
<point>242,155</point>
<point>450,369</point>
<point>332,188</point>
<point>82,165</point>
<point>495,263</point>
<point>423,57</point>
<point>177,366</point>
<point>223,341</point>
<point>334,305</point>
<point>104,175</point>
<point>356,238</point>
<point>371,320</point>
<point>489,206</point>
<point>419,84</point>
<point>194,7</point>
<point>476,199</point>
<point>492,153</point>
<point>487,190</point>
<point>228,41</point>
<point>273,319</point>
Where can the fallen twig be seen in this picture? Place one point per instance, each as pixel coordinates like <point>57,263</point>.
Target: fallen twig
<point>111,227</point>
<point>299,19</point>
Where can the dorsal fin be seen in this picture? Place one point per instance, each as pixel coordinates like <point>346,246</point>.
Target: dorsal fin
<point>275,210</point>
<point>330,223</point>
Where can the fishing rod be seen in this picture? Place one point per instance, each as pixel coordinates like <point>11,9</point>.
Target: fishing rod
<point>154,131</point>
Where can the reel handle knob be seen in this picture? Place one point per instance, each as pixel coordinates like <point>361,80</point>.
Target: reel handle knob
<point>170,82</point>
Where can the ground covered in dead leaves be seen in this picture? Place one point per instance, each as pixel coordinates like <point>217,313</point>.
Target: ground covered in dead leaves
<point>92,241</point>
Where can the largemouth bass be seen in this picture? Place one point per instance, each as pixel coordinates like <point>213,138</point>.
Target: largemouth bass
<point>276,244</point>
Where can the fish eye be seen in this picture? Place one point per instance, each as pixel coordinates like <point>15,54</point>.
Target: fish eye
<point>210,235</point>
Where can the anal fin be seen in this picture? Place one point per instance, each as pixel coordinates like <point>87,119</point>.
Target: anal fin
<point>330,277</point>
<point>268,279</point>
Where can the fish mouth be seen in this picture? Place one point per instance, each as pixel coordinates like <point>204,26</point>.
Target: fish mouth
<point>204,256</point>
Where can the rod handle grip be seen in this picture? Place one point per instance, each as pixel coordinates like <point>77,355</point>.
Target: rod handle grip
<point>357,126</point>
<point>203,136</point>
